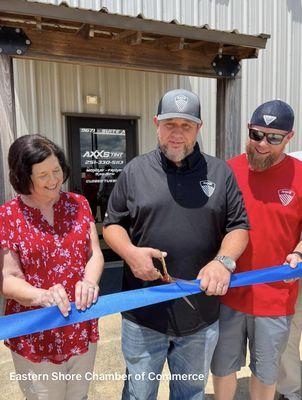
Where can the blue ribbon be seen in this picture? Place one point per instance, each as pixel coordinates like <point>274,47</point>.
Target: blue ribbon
<point>48,318</point>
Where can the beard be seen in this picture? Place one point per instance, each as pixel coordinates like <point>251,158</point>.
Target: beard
<point>176,155</point>
<point>259,162</point>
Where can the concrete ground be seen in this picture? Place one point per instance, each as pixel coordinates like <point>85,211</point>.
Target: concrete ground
<point>109,360</point>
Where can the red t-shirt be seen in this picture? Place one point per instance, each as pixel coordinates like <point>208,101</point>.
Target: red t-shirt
<point>273,199</point>
<point>50,255</point>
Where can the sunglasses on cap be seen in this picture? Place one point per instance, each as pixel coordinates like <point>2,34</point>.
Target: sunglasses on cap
<point>271,138</point>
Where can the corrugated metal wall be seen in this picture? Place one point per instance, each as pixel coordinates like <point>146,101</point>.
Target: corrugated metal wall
<point>45,90</point>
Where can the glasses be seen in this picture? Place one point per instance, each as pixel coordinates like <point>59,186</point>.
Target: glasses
<point>272,138</point>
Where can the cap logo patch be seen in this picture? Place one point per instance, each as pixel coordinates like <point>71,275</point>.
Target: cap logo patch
<point>286,196</point>
<point>181,101</point>
<point>207,187</point>
<point>268,119</point>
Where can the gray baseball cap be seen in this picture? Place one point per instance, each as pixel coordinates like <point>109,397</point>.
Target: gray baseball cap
<point>179,103</point>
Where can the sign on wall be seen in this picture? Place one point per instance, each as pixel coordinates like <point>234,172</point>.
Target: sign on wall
<point>103,156</point>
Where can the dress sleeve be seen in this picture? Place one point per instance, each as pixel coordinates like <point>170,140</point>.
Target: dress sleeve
<point>117,209</point>
<point>8,229</point>
<point>236,213</point>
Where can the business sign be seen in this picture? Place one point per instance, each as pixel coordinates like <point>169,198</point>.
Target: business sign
<point>103,156</point>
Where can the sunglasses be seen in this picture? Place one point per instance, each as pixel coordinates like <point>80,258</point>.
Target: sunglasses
<point>272,138</point>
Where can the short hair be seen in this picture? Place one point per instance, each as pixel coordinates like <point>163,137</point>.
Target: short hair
<point>26,151</point>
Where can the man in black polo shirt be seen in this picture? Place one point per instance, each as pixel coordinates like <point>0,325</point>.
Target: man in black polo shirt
<point>186,205</point>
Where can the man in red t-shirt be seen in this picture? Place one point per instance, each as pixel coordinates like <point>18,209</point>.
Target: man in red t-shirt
<point>270,182</point>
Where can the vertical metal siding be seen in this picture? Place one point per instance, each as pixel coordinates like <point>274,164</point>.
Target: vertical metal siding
<point>46,90</point>
<point>275,74</point>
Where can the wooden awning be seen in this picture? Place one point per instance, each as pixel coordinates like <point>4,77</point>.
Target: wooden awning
<point>65,34</point>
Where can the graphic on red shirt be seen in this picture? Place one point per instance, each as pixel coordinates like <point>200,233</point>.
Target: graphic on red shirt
<point>286,196</point>
<point>273,199</point>
<point>50,255</point>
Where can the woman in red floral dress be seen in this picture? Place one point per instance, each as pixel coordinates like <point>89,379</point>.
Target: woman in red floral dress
<point>51,256</point>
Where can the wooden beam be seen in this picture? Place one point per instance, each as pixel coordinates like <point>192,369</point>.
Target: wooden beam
<point>135,39</point>
<point>200,47</point>
<point>164,48</point>
<point>179,45</point>
<point>128,23</point>
<point>228,117</point>
<point>161,42</point>
<point>7,122</point>
<point>195,45</point>
<point>39,23</point>
<point>208,47</point>
<point>123,35</point>
<point>86,31</point>
<point>66,47</point>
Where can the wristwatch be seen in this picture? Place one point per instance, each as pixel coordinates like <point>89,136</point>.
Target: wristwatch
<point>228,262</point>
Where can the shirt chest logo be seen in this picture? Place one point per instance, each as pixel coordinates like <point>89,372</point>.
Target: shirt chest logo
<point>207,187</point>
<point>286,196</point>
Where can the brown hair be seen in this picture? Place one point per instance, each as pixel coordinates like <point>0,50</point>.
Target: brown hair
<point>26,151</point>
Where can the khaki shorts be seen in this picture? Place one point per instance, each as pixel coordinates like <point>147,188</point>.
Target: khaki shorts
<point>267,338</point>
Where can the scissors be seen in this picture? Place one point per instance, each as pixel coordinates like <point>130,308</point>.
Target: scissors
<point>166,277</point>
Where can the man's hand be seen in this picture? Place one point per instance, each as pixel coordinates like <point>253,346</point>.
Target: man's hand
<point>292,259</point>
<point>215,278</point>
<point>140,261</point>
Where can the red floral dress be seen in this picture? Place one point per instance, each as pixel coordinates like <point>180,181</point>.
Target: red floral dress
<point>50,255</point>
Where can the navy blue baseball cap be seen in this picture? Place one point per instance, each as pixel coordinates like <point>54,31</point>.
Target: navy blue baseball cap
<point>275,114</point>
<point>179,103</point>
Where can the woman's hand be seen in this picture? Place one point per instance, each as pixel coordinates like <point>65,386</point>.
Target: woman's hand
<point>86,293</point>
<point>55,295</point>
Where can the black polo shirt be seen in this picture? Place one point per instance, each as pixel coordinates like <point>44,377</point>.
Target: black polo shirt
<point>185,211</point>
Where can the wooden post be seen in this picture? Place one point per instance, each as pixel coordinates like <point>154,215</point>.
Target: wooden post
<point>7,123</point>
<point>228,117</point>
<point>7,130</point>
